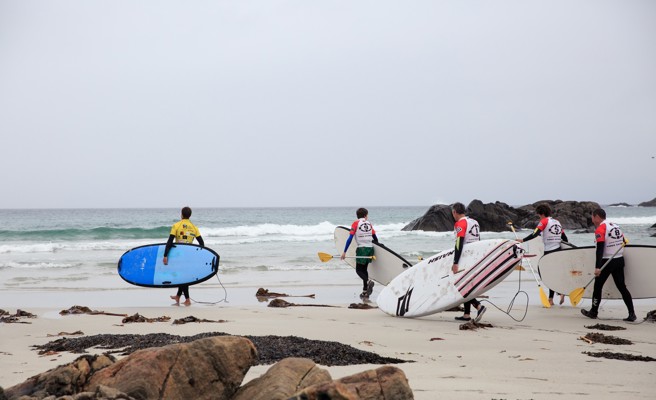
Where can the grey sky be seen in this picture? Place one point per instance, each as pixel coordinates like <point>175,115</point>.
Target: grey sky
<point>315,103</point>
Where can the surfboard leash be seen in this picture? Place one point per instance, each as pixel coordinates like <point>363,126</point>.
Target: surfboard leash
<point>512,302</point>
<point>225,295</point>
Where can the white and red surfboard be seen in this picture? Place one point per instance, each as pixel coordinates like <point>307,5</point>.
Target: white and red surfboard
<point>430,286</point>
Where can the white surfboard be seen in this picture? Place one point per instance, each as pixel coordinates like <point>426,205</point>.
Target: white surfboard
<point>430,286</point>
<point>566,270</point>
<point>383,269</point>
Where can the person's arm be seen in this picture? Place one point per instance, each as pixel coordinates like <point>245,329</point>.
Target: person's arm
<point>348,243</point>
<point>375,238</point>
<point>458,251</point>
<point>169,244</point>
<point>599,257</point>
<point>533,235</point>
<point>563,237</point>
<point>201,242</point>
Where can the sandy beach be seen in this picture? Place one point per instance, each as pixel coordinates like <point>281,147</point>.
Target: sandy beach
<point>540,357</point>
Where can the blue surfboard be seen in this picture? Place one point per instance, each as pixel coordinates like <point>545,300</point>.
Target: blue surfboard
<point>188,264</point>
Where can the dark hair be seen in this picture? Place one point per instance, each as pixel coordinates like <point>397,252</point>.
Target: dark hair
<point>599,213</point>
<point>362,212</point>
<point>459,208</point>
<point>186,212</point>
<point>543,209</point>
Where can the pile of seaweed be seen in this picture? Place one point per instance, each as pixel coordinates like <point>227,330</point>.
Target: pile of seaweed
<point>271,349</point>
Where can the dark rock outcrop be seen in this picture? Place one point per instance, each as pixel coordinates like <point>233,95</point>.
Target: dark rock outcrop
<point>620,205</point>
<point>651,203</point>
<point>494,217</point>
<point>283,380</point>
<point>383,383</point>
<point>437,219</point>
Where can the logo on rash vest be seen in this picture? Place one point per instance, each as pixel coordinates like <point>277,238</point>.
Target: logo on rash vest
<point>365,227</point>
<point>474,231</point>
<point>615,233</point>
<point>555,229</point>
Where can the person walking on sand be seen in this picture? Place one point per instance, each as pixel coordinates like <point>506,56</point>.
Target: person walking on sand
<point>467,230</point>
<point>552,234</point>
<point>609,239</point>
<point>182,231</point>
<point>365,236</point>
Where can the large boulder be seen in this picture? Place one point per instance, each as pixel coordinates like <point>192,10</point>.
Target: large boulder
<point>210,368</point>
<point>438,218</point>
<point>384,383</point>
<point>573,215</point>
<point>283,379</point>
<point>651,203</point>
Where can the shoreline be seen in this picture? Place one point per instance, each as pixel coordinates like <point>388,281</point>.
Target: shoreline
<point>539,357</point>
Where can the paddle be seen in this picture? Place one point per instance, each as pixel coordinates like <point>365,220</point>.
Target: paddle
<point>327,257</point>
<point>577,294</point>
<point>543,297</point>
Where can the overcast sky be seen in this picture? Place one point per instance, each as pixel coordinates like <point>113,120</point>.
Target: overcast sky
<point>317,103</point>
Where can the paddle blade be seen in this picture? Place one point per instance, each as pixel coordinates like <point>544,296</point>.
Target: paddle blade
<point>544,299</point>
<point>576,295</point>
<point>325,257</point>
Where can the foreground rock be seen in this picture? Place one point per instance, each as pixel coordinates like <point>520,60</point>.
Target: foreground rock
<point>207,368</point>
<point>494,217</point>
<point>211,368</point>
<point>283,380</point>
<point>384,383</point>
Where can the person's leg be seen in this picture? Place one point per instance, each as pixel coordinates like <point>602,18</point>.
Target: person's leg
<point>185,292</point>
<point>551,296</point>
<point>466,316</point>
<point>618,278</point>
<point>361,270</point>
<point>596,293</point>
<point>177,295</point>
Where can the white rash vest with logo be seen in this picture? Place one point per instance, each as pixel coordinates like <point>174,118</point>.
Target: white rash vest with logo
<point>363,232</point>
<point>551,233</point>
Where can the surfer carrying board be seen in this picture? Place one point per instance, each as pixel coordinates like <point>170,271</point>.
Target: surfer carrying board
<point>467,230</point>
<point>365,236</point>
<point>182,231</point>
<point>610,242</point>
<point>552,234</point>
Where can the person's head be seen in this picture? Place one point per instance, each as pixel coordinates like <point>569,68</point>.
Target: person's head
<point>457,210</point>
<point>543,209</point>
<point>186,212</point>
<point>362,212</point>
<point>598,216</point>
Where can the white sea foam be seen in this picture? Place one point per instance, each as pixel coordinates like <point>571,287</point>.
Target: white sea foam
<point>37,265</point>
<point>650,220</point>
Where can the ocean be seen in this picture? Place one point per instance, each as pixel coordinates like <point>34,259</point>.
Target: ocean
<point>47,251</point>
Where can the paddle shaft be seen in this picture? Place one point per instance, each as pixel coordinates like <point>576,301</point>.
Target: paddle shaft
<point>605,264</point>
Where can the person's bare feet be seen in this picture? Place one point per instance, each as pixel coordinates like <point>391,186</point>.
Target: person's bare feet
<point>177,299</point>
<point>562,299</point>
<point>187,302</point>
<point>551,302</point>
